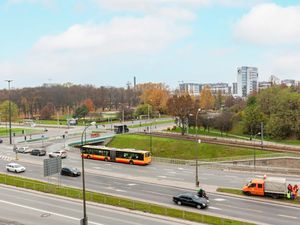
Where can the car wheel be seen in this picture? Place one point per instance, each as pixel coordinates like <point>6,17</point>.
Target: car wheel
<point>7,170</point>
<point>179,203</point>
<point>16,171</point>
<point>199,206</point>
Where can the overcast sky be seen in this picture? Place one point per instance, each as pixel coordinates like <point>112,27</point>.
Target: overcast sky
<point>108,42</point>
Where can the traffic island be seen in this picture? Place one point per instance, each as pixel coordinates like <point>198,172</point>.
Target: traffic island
<point>152,208</point>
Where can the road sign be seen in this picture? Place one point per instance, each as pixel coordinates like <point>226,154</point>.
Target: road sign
<point>52,166</point>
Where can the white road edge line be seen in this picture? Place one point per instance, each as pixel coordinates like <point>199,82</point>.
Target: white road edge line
<point>291,217</point>
<point>44,211</point>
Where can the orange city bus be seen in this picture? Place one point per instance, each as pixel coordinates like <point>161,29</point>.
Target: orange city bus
<point>130,156</point>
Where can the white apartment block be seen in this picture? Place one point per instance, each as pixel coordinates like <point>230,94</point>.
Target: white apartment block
<point>190,88</point>
<point>247,81</point>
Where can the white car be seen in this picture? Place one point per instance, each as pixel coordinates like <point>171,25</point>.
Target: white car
<point>15,167</point>
<point>61,153</point>
<point>23,150</point>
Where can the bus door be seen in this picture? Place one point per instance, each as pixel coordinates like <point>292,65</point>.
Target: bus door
<point>113,156</point>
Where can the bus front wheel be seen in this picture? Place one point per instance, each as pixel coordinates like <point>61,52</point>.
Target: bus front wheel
<point>131,162</point>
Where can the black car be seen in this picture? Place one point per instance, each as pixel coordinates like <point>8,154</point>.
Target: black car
<point>1,140</point>
<point>191,199</point>
<point>68,171</point>
<point>38,152</point>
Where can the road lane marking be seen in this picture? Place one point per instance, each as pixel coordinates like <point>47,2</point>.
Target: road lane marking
<point>219,199</point>
<point>131,184</point>
<point>162,176</point>
<point>286,216</point>
<point>214,208</point>
<point>119,190</point>
<point>44,211</point>
<point>234,207</point>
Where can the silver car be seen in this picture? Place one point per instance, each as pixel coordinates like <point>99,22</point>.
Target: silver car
<point>61,153</point>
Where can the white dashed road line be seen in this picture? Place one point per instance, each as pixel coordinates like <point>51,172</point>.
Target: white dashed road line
<point>286,216</point>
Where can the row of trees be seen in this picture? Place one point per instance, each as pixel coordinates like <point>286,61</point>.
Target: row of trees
<point>278,108</point>
<point>47,101</point>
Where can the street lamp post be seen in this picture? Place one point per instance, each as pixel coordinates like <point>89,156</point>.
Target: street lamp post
<point>84,220</point>
<point>196,149</point>
<point>254,150</point>
<point>9,110</point>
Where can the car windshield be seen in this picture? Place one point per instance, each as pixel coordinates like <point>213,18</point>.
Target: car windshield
<point>16,165</point>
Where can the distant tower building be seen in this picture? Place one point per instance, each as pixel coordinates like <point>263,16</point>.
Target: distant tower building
<point>247,80</point>
<point>234,88</point>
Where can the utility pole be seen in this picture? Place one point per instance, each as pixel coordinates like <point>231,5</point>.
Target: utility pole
<point>9,110</point>
<point>262,134</point>
<point>198,141</point>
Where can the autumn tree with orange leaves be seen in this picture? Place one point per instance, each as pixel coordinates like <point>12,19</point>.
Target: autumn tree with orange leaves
<point>207,100</point>
<point>89,104</point>
<point>154,94</point>
<point>181,107</point>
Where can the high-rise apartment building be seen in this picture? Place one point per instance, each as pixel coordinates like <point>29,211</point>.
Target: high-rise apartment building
<point>247,80</point>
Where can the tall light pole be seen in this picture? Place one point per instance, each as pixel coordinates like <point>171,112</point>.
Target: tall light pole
<point>84,220</point>
<point>9,110</point>
<point>196,149</point>
<point>254,150</point>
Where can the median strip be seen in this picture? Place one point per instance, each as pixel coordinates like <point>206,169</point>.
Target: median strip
<point>116,201</point>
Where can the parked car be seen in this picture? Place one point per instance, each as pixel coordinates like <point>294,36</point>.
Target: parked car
<point>61,153</point>
<point>23,150</point>
<point>15,167</point>
<point>1,141</point>
<point>191,199</point>
<point>38,152</point>
<point>69,171</point>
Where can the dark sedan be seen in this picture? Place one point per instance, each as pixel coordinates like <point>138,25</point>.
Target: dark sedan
<point>191,199</point>
<point>38,152</point>
<point>68,171</point>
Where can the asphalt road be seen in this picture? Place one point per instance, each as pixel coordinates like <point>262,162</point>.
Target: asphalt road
<point>31,208</point>
<point>261,212</point>
<point>159,182</point>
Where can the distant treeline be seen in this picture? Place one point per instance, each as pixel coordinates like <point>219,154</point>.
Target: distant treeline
<point>66,99</point>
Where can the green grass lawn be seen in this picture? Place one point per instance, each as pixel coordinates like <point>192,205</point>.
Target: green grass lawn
<point>180,149</point>
<point>212,132</point>
<point>217,133</point>
<point>17,131</point>
<point>151,124</point>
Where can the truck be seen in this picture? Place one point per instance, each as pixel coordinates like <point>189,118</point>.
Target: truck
<point>271,186</point>
<point>119,129</point>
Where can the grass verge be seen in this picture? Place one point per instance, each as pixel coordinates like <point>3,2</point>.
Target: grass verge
<point>239,192</point>
<point>181,149</point>
<point>17,131</point>
<point>151,124</point>
<point>115,201</point>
